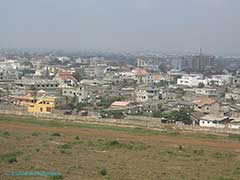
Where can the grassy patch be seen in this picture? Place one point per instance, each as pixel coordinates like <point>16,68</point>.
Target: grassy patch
<point>4,134</point>
<point>65,146</point>
<point>10,157</point>
<point>223,155</point>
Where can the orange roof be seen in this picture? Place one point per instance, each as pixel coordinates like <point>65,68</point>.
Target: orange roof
<point>24,97</point>
<point>140,72</point>
<point>157,77</point>
<point>205,101</point>
<point>121,103</point>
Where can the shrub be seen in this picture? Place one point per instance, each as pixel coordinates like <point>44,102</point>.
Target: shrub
<point>35,134</point>
<point>77,138</point>
<point>114,143</point>
<point>6,133</point>
<point>65,146</point>
<point>103,171</point>
<point>56,134</point>
<point>10,157</point>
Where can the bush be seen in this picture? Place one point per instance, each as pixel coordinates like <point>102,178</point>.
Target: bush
<point>114,143</point>
<point>77,138</point>
<point>56,134</point>
<point>35,134</point>
<point>10,157</point>
<point>65,146</point>
<point>103,171</point>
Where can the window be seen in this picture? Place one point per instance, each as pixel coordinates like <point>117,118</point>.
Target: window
<point>48,109</point>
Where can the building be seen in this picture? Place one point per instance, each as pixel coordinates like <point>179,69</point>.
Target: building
<point>195,63</point>
<point>25,100</point>
<point>142,76</point>
<point>216,121</point>
<point>206,105</point>
<point>8,75</point>
<point>83,93</point>
<point>45,105</point>
<point>126,107</point>
<point>220,80</point>
<point>208,92</point>
<point>37,84</point>
<point>191,80</point>
<point>144,94</point>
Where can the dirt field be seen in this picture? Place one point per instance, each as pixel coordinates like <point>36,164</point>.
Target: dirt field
<point>97,152</point>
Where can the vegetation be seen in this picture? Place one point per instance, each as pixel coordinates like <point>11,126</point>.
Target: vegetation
<point>117,114</point>
<point>103,171</point>
<point>82,105</point>
<point>105,102</point>
<point>135,154</point>
<point>79,74</point>
<point>183,115</point>
<point>10,157</point>
<point>56,134</point>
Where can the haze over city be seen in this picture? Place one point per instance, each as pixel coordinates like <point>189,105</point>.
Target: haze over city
<point>165,25</point>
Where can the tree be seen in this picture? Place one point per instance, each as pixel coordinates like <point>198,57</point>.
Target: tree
<point>79,74</point>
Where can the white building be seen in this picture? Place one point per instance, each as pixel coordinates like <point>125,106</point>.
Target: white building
<point>191,80</point>
<point>220,80</point>
<point>213,121</point>
<point>206,92</point>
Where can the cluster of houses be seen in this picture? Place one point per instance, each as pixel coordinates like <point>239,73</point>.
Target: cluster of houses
<point>97,85</point>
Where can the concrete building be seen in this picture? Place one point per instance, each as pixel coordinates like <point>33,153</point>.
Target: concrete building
<point>145,94</point>
<point>83,94</point>
<point>8,75</point>
<point>191,80</point>
<point>206,105</point>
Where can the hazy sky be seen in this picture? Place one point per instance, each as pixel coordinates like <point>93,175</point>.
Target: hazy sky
<point>164,25</point>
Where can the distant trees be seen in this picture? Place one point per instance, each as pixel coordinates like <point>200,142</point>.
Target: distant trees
<point>183,115</point>
<point>105,102</point>
<point>79,74</point>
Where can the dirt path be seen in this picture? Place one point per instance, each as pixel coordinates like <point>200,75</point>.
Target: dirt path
<point>122,135</point>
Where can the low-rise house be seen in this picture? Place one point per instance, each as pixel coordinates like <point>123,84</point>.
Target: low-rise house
<point>208,92</point>
<point>45,105</point>
<point>142,76</point>
<point>83,94</point>
<point>8,75</point>
<point>65,79</point>
<point>37,84</point>
<point>144,94</point>
<point>216,121</point>
<point>25,100</point>
<point>126,107</point>
<point>152,106</point>
<point>220,80</point>
<point>191,80</point>
<point>206,105</point>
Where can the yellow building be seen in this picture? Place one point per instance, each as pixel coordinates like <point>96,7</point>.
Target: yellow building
<point>45,105</point>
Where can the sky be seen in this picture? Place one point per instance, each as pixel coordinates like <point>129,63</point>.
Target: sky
<point>122,25</point>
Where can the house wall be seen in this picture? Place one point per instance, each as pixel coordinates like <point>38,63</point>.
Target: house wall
<point>214,108</point>
<point>205,123</point>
